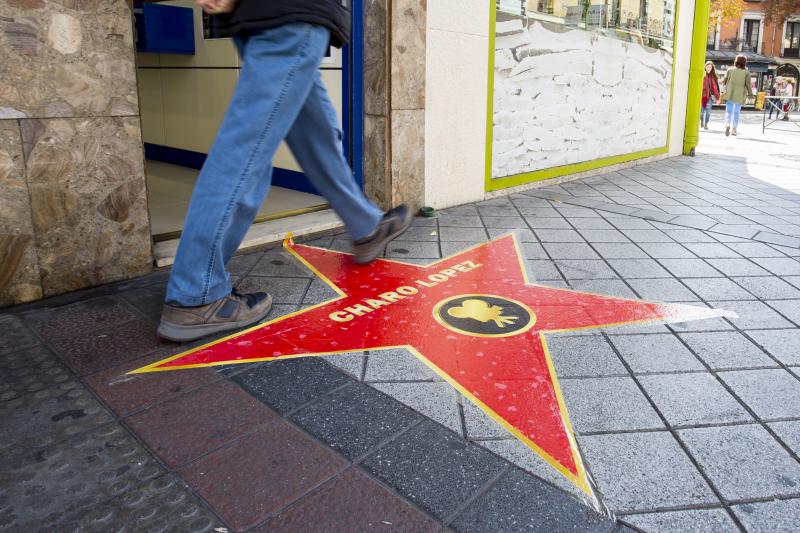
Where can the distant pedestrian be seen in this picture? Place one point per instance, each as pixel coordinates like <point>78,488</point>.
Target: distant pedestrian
<point>787,91</point>
<point>710,93</point>
<point>772,102</point>
<point>737,90</point>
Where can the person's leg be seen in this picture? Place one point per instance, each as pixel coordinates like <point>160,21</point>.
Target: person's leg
<point>316,142</point>
<point>279,69</point>
<point>703,116</point>
<point>728,117</point>
<point>737,108</point>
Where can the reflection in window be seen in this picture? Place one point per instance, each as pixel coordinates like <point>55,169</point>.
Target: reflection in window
<point>751,35</point>
<point>791,41</point>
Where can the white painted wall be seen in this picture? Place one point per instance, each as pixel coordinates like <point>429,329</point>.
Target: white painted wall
<point>680,85</point>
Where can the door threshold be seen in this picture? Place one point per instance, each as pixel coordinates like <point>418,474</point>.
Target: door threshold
<point>263,233</point>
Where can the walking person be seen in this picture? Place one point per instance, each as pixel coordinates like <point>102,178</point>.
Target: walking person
<point>737,90</point>
<point>787,91</point>
<point>710,93</point>
<point>772,102</point>
<point>279,96</point>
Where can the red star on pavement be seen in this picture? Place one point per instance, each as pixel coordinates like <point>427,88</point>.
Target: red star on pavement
<point>473,318</point>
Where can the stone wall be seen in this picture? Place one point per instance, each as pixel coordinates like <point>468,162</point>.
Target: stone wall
<point>73,207</point>
<point>568,96</point>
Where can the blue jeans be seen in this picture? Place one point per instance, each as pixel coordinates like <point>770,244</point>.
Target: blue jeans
<point>705,112</point>
<point>732,110</point>
<point>279,96</point>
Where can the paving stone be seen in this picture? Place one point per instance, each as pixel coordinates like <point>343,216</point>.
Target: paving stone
<point>754,249</point>
<point>780,266</point>
<point>97,350</point>
<point>789,432</point>
<point>694,520</point>
<point>350,363</point>
<point>782,344</point>
<point>630,223</point>
<point>646,235</point>
<point>14,335</point>
<point>462,234</point>
<point>508,222</point>
<point>520,502</point>
<point>449,248</point>
<point>788,308</point>
<point>287,384</point>
<point>422,234</point>
<point>609,287</point>
<point>725,350</point>
<point>460,220</point>
<point>558,235</point>
<point>642,471</point>
<point>603,235</point>
<point>560,250</point>
<point>350,502</point>
<point>279,263</point>
<point>592,224</point>
<point>655,353</point>
<point>354,419</point>
<point>743,461</point>
<point>397,365</point>
<point>49,416</point>
<point>283,290</point>
<point>412,249</point>
<point>717,289</point>
<point>770,393</point>
<point>30,370</point>
<point>241,264</point>
<point>586,356</point>
<point>689,236</point>
<point>541,269</point>
<point>479,425</point>
<point>161,504</point>
<point>578,212</point>
<point>753,315</point>
<point>149,300</point>
<point>532,250</point>
<point>318,292</point>
<point>434,468</point>
<point>612,250</point>
<point>737,267</point>
<point>777,238</point>
<point>196,423</point>
<point>778,516</point>
<point>711,250</point>
<point>692,399</point>
<point>608,404</point>
<point>523,235</point>
<point>81,318</point>
<point>258,475</point>
<point>666,250</point>
<point>538,223</point>
<point>662,290</point>
<point>41,489</point>
<point>770,287</point>
<point>436,400</point>
<point>585,269</point>
<point>638,268</point>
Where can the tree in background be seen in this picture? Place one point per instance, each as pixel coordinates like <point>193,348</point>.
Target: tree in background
<point>778,10</point>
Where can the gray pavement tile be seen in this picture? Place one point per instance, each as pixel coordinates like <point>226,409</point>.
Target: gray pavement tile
<point>689,520</point>
<point>777,238</point>
<point>690,268</point>
<point>638,268</point>
<point>558,235</point>
<point>453,247</point>
<point>460,221</point>
<point>434,468</point>
<point>523,235</point>
<point>520,502</point>
<point>794,280</point>
<point>728,349</point>
<point>286,385</point>
<point>689,236</point>
<point>14,335</point>
<point>780,266</point>
<point>49,416</point>
<point>479,425</point>
<point>538,223</point>
<point>80,318</point>
<point>666,250</point>
<point>421,233</point>
<point>354,419</point>
<point>754,249</point>
<point>563,250</point>
<point>505,222</point>
<point>711,250</point>
<point>578,212</point>
<point>603,235</point>
<point>753,315</point>
<point>611,250</point>
<point>608,287</point>
<point>319,291</point>
<point>789,432</point>
<point>532,250</point>
<point>646,235</point>
<point>585,269</point>
<point>591,224</point>
<point>504,210</point>
<point>283,290</point>
<point>447,233</point>
<point>662,290</point>
<point>717,289</point>
<point>521,200</point>
<point>743,461</point>
<point>691,399</point>
<point>737,267</point>
<point>466,209</point>
<point>696,222</point>
<point>608,404</point>
<point>72,477</point>
<point>655,353</point>
<point>586,355</point>
<point>541,269</point>
<point>783,344</point>
<point>436,400</point>
<point>538,212</point>
<point>630,223</point>
<point>770,393</point>
<point>150,299</point>
<point>419,221</point>
<point>788,308</point>
<point>30,370</point>
<point>350,363</point>
<point>778,516</point>
<point>500,201</point>
<point>768,287</point>
<point>397,365</point>
<point>642,471</point>
<point>746,231</point>
<point>276,263</point>
<point>411,249</point>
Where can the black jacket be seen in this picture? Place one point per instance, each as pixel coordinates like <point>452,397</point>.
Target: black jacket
<point>260,14</point>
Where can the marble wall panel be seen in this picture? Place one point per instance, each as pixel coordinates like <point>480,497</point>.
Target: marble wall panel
<point>408,53</point>
<point>376,15</point>
<point>377,183</point>
<point>87,190</point>
<point>408,157</point>
<point>19,269</point>
<point>66,58</point>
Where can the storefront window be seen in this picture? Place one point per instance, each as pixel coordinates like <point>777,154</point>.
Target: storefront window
<point>791,41</point>
<point>751,35</point>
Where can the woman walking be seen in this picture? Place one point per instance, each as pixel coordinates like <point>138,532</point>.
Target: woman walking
<point>737,90</point>
<point>710,93</point>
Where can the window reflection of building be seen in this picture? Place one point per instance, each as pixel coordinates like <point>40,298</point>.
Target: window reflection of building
<point>791,40</point>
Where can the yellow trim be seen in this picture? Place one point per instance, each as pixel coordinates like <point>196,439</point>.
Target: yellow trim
<point>495,184</point>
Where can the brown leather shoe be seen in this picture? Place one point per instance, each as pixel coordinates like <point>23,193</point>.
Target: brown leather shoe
<point>394,223</point>
<point>235,311</point>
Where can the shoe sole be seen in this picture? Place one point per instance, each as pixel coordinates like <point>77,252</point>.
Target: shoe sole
<point>179,333</point>
<point>389,238</point>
